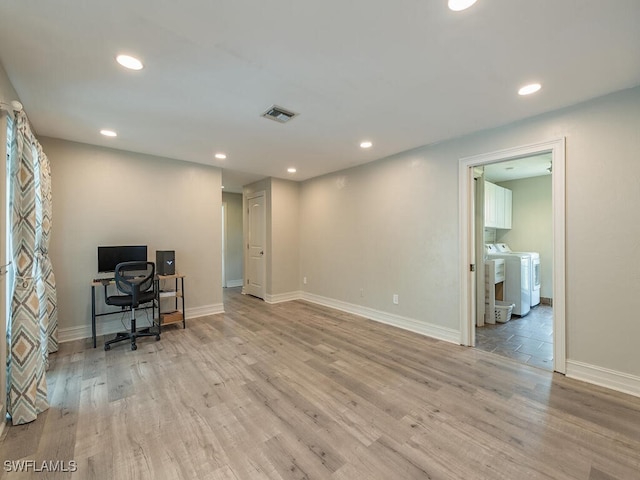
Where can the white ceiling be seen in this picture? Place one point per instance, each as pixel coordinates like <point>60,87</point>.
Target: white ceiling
<point>527,167</point>
<point>400,73</point>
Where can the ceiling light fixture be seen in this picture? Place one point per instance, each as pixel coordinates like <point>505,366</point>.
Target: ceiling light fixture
<point>529,89</point>
<point>459,5</point>
<point>108,133</point>
<point>127,61</point>
<point>291,170</point>
<point>220,156</point>
<point>366,144</point>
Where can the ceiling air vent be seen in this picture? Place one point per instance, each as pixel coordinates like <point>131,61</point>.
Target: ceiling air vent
<point>279,114</point>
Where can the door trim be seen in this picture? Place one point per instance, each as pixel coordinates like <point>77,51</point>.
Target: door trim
<point>466,247</point>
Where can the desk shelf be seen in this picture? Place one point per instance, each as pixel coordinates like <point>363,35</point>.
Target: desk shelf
<point>168,290</point>
<point>170,318</point>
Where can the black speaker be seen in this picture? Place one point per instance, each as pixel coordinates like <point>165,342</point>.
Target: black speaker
<point>165,262</point>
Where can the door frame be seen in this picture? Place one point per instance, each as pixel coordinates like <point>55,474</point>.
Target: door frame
<point>467,240</point>
<point>224,244</point>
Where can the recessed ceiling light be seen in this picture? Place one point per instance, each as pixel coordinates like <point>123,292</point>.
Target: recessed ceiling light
<point>222,186</point>
<point>291,170</point>
<point>127,61</point>
<point>366,144</point>
<point>108,133</point>
<point>220,156</point>
<point>529,89</point>
<point>458,5</point>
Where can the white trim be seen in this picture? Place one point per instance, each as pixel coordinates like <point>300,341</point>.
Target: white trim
<point>557,149</point>
<point>619,381</point>
<point>235,283</point>
<point>413,325</point>
<point>114,323</point>
<point>203,311</point>
<point>282,297</point>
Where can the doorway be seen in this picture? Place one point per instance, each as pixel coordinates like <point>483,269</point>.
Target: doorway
<point>514,214</point>
<point>473,239</point>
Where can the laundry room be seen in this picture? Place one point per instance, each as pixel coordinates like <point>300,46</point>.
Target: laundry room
<point>518,257</point>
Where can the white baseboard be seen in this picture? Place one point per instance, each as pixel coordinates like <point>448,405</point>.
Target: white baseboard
<point>235,283</point>
<point>204,310</point>
<point>413,325</point>
<point>282,297</point>
<point>619,381</point>
<point>113,323</point>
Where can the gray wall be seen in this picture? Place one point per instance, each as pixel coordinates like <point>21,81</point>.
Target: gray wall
<point>532,225</point>
<point>392,227</point>
<point>285,246</point>
<point>234,251</point>
<point>109,197</point>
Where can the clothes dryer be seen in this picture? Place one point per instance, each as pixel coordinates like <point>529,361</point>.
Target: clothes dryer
<point>535,271</point>
<point>517,284</point>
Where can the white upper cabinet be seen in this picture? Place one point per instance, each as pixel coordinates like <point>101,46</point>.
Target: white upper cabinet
<point>507,208</point>
<point>497,206</point>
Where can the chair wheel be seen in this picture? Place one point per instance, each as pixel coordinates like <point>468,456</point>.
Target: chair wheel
<point>134,346</point>
<point>157,337</point>
<point>107,347</point>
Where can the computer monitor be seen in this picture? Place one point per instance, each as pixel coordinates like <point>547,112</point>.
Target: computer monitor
<point>109,257</point>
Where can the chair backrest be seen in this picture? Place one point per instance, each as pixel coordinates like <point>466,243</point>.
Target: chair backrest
<point>133,278</point>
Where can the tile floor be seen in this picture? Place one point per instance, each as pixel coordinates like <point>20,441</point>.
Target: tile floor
<point>528,339</point>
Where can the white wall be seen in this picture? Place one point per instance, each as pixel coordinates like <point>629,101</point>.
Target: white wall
<point>392,227</point>
<point>285,245</point>
<point>110,197</point>
<point>532,222</point>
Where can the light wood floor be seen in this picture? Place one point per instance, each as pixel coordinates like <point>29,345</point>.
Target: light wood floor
<point>299,391</point>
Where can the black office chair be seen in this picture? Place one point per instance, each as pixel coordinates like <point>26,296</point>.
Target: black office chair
<point>136,281</point>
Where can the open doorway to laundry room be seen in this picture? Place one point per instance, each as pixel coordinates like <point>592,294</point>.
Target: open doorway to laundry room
<point>516,214</point>
<point>512,231</point>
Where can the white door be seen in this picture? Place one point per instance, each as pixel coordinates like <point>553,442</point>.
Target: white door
<point>256,235</point>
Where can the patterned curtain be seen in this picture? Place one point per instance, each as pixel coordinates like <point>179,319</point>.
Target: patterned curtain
<point>32,332</point>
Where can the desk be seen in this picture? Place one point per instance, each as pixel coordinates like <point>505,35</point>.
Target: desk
<point>107,281</point>
<point>166,318</point>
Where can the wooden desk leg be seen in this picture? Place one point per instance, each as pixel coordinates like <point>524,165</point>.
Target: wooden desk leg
<point>93,314</point>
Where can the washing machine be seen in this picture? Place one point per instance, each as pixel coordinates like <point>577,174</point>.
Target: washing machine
<point>535,271</point>
<point>517,283</point>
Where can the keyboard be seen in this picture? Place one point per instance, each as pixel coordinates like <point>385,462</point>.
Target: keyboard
<point>103,280</point>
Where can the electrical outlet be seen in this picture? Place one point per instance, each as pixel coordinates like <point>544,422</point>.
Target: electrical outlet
<point>395,299</point>
<point>304,280</point>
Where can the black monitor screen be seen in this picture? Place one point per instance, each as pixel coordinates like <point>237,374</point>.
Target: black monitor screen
<point>109,257</point>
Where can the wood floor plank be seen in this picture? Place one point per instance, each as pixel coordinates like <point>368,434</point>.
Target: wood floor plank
<point>297,390</point>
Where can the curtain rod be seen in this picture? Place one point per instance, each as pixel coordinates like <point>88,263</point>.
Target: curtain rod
<point>11,108</point>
